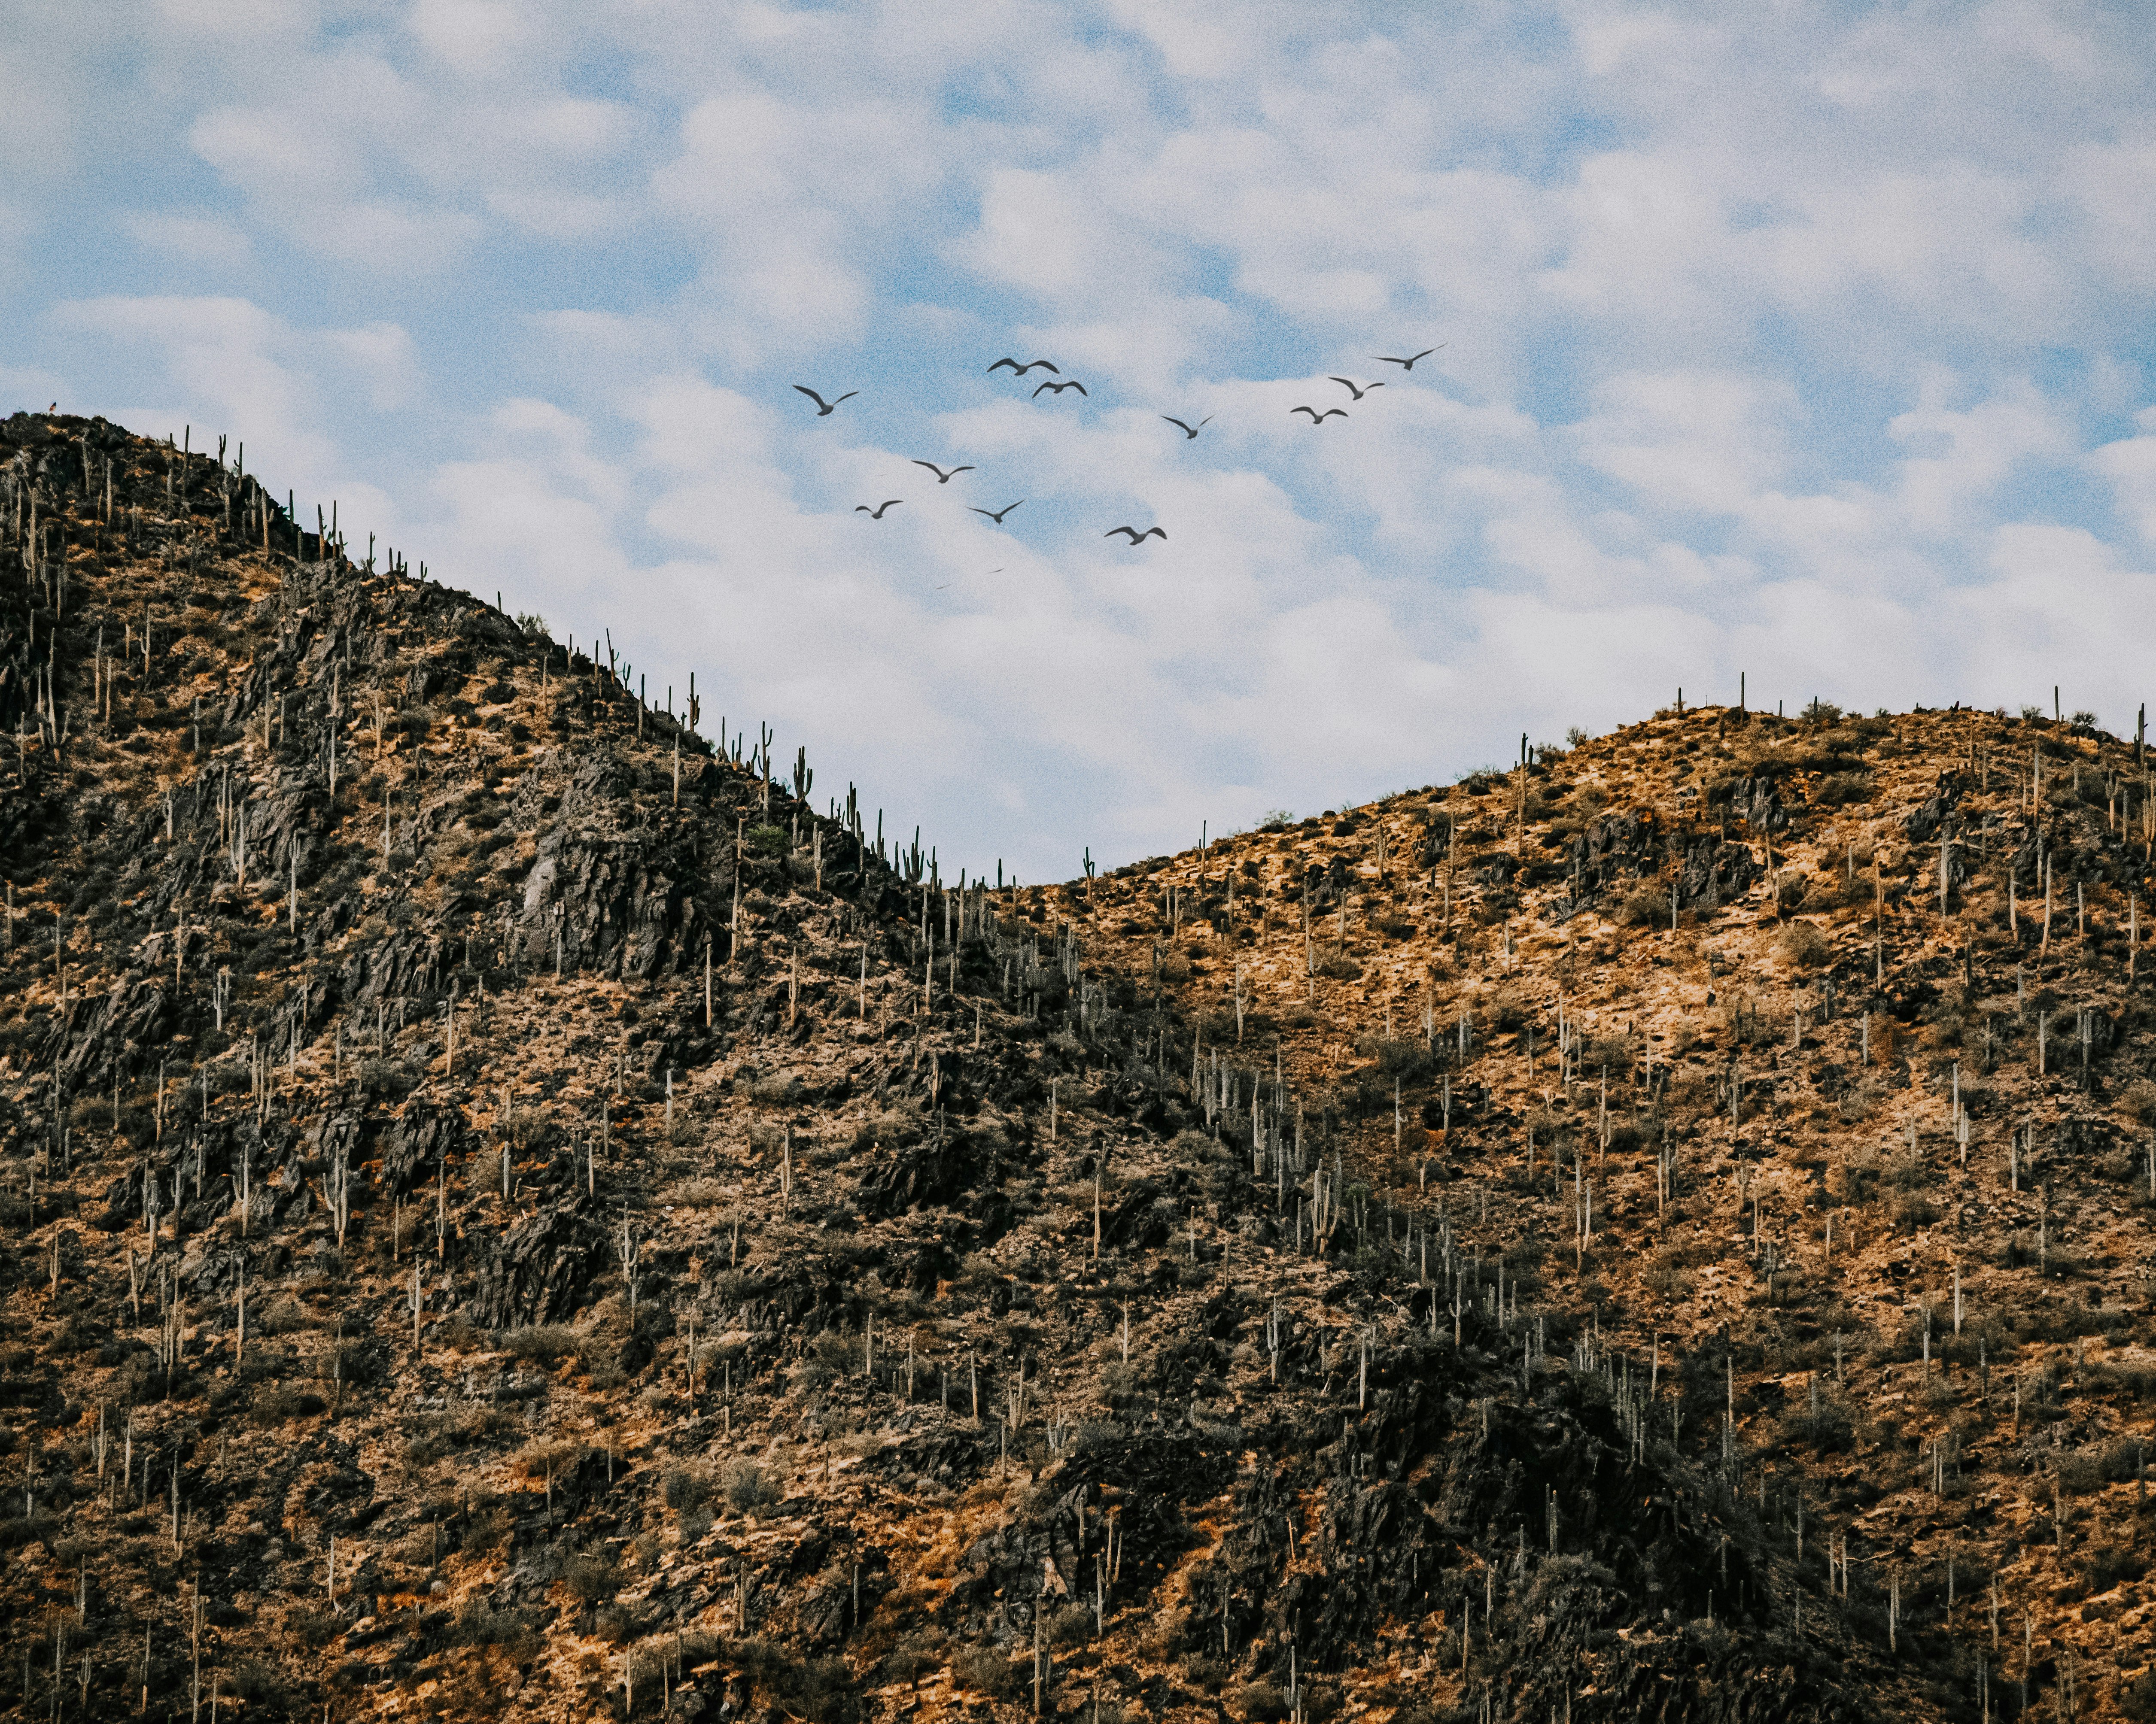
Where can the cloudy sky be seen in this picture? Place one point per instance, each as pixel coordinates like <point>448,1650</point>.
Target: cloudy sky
<point>1811,341</point>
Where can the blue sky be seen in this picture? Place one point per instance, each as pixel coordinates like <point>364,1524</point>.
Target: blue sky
<point>1809,342</point>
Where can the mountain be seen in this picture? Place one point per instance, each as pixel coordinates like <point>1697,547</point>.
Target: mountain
<point>516,1210</point>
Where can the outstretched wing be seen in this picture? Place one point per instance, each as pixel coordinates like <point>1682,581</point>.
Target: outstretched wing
<point>1330,411</point>
<point>1312,411</point>
<point>1179,425</point>
<point>1079,387</point>
<point>810,393</point>
<point>1012,363</point>
<point>1155,532</point>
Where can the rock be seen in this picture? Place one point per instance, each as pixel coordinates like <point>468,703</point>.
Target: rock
<point>537,1270</point>
<point>424,1137</point>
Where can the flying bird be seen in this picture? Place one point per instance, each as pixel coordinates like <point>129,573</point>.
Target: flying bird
<point>997,515</point>
<point>876,513</point>
<point>942,477</point>
<point>1187,430</point>
<point>1408,364</point>
<point>1138,538</point>
<point>1021,370</point>
<point>1060,388</point>
<point>1316,417</point>
<point>1358,394</point>
<point>823,407</point>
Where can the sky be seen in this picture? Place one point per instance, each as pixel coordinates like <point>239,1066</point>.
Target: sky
<point>1807,343</point>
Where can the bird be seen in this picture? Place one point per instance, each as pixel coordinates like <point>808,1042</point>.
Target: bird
<point>942,477</point>
<point>1408,364</point>
<point>1060,388</point>
<point>1138,538</point>
<point>876,513</point>
<point>1358,393</point>
<point>997,515</point>
<point>823,407</point>
<point>1317,417</point>
<point>1187,430</point>
<point>1021,370</point>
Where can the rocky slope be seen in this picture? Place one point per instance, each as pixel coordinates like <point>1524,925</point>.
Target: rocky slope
<point>511,1211</point>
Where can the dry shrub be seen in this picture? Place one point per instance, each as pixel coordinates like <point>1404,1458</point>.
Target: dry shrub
<point>698,1192</point>
<point>986,1670</point>
<point>1802,947</point>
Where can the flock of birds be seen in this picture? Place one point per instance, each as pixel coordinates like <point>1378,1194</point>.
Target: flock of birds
<point>1058,384</point>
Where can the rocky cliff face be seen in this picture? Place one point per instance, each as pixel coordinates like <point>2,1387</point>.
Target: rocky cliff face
<point>512,1212</point>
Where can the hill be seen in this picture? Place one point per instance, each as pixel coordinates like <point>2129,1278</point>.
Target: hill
<point>516,1210</point>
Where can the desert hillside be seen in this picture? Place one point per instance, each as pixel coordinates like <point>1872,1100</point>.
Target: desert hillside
<point>515,1210</point>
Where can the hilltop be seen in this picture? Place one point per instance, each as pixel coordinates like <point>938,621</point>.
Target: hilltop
<point>515,1209</point>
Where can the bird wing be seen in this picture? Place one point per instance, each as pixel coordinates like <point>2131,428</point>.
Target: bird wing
<point>1347,385</point>
<point>1036,393</point>
<point>848,396</point>
<point>1079,387</point>
<point>1329,413</point>
<point>1042,365</point>
<point>955,471</point>
<point>1427,352</point>
<point>810,393</point>
<point>1312,411</point>
<point>1012,363</point>
<point>932,467</point>
<point>1155,532</point>
<point>1113,531</point>
<point>1179,424</point>
<point>860,509</point>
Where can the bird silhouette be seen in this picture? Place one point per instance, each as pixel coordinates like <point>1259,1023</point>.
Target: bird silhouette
<point>1060,388</point>
<point>1316,417</point>
<point>1408,364</point>
<point>1187,430</point>
<point>997,515</point>
<point>876,513</point>
<point>823,407</point>
<point>1138,538</point>
<point>942,477</point>
<point>1021,370</point>
<point>1358,394</point>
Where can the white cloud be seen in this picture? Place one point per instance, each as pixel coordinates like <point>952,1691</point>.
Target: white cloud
<point>2130,465</point>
